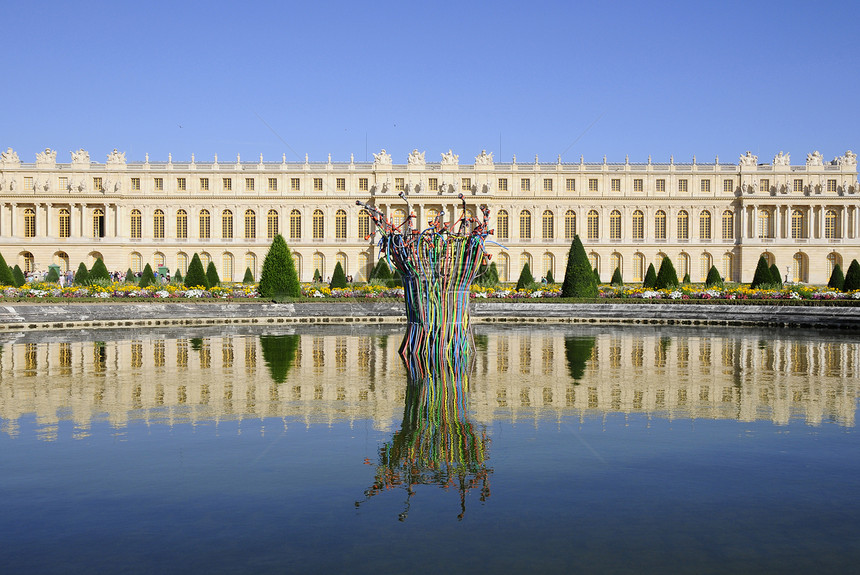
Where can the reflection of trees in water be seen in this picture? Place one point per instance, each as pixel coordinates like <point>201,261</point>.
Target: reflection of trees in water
<point>577,352</point>
<point>436,443</point>
<point>279,353</point>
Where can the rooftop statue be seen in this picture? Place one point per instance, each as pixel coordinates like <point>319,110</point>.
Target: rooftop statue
<point>49,157</point>
<point>416,158</point>
<point>9,157</point>
<point>80,157</point>
<point>484,159</point>
<point>782,159</point>
<point>449,158</point>
<point>748,160</point>
<point>814,159</point>
<point>383,158</point>
<point>849,160</point>
<point>116,158</point>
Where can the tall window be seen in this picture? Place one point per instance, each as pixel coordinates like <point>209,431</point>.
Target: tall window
<point>547,184</point>
<point>683,264</point>
<point>363,224</point>
<point>272,227</point>
<point>204,184</point>
<point>615,262</point>
<point>728,185</point>
<point>504,267</point>
<point>319,264</point>
<point>318,184</point>
<point>799,267</point>
<point>548,225</point>
<point>29,223</point>
<point>797,227</point>
<point>159,184</point>
<point>832,259</point>
<point>205,225</point>
<point>615,225</point>
<point>98,223</point>
<point>29,262</point>
<point>249,184</point>
<point>135,262</point>
<point>318,224</point>
<point>830,230</point>
<point>340,258</point>
<point>593,225</point>
<point>227,224</point>
<point>397,218</point>
<point>227,267</point>
<point>728,267</point>
<point>251,263</point>
<point>295,184</point>
<point>525,184</point>
<point>181,263</point>
<point>638,267</point>
<point>503,184</point>
<point>295,225</point>
<point>638,225</point>
<point>764,185</point>
<point>831,185</point>
<point>548,264</point>
<point>273,184</point>
<point>158,259</point>
<point>466,184</point>
<point>502,224</point>
<point>182,224</point>
<point>66,223</point>
<point>136,224</point>
<point>432,184</point>
<point>525,225</point>
<point>569,224</point>
<point>764,227</point>
<point>683,225</point>
<point>180,184</point>
<point>227,184</point>
<point>250,224</point>
<point>158,225</point>
<point>705,264</point>
<point>340,225</point>
<point>362,272</point>
<point>728,225</point>
<point>340,184</point>
<point>660,225</point>
<point>705,225</point>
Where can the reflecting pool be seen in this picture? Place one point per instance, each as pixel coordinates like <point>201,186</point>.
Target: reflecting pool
<point>552,449</point>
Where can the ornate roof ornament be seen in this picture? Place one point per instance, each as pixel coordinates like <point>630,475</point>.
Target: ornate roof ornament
<point>749,159</point>
<point>10,158</point>
<point>848,160</point>
<point>383,158</point>
<point>484,158</point>
<point>416,158</point>
<point>117,158</point>
<point>46,158</point>
<point>81,157</point>
<point>449,158</point>
<point>782,159</point>
<point>814,159</point>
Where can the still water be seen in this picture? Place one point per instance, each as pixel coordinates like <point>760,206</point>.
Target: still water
<point>588,449</point>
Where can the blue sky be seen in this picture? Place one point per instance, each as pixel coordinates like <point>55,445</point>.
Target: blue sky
<point>592,79</point>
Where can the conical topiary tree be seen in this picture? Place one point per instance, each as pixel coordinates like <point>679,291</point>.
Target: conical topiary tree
<point>18,276</point>
<point>775,276</point>
<point>249,277</point>
<point>650,280</point>
<point>53,276</point>
<point>195,276</point>
<point>488,276</point>
<point>526,280</point>
<point>147,278</point>
<point>317,276</point>
<point>338,278</point>
<point>212,279</point>
<point>549,278</point>
<point>380,271</point>
<point>667,277</point>
<point>762,277</point>
<point>579,280</point>
<point>596,276</point>
<point>852,277</point>
<point>686,280</point>
<point>279,277</point>
<point>129,276</point>
<point>714,279</point>
<point>98,272</point>
<point>616,278</point>
<point>177,277</point>
<point>837,278</point>
<point>82,276</point>
<point>6,277</point>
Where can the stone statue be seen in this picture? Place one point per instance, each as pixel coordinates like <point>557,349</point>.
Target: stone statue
<point>2,181</point>
<point>849,160</point>
<point>383,158</point>
<point>117,158</point>
<point>748,160</point>
<point>80,157</point>
<point>42,184</point>
<point>9,157</point>
<point>419,187</point>
<point>814,159</point>
<point>484,158</point>
<point>450,158</point>
<point>782,159</point>
<point>48,157</point>
<point>416,158</point>
<point>536,159</point>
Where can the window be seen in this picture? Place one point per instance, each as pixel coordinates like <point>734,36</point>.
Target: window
<point>182,224</point>
<point>705,225</point>
<point>797,227</point>
<point>548,225</point>
<point>29,262</point>
<point>205,222</point>
<point>135,184</point>
<point>615,225</point>
<point>638,267</point>
<point>569,224</point>
<point>319,264</point>
<point>728,267</point>
<point>97,185</point>
<point>525,225</point>
<point>504,267</point>
<point>616,184</point>
<point>340,225</point>
<point>135,262</point>
<point>705,186</point>
<point>502,227</point>
<point>272,184</point>
<point>397,218</point>
<point>249,184</point>
<point>799,267</point>
<point>272,227</point>
<point>830,230</point>
<point>318,224</point>
<point>615,262</point>
<point>227,224</point>
<point>594,260</point>
<point>250,224</point>
<point>295,225</point>
<point>433,184</point>
<point>363,225</point>
<point>638,225</point>
<point>181,263</point>
<point>798,185</point>
<point>547,184</point>
<point>682,185</point>
<point>180,184</point>
<point>400,184</point>
<point>660,225</point>
<point>728,225</point>
<point>63,183</point>
<point>593,225</point>
<point>66,222</point>
<point>683,225</point>
<point>204,184</point>
<point>525,184</point>
<point>660,185</point>
<point>98,223</point>
<point>227,184</point>
<point>503,184</point>
<point>683,264</point>
<point>340,184</point>
<point>705,263</point>
<point>764,185</point>
<point>832,260</point>
<point>548,264</point>
<point>227,267</point>
<point>466,184</point>
<point>158,225</point>
<point>318,184</point>
<point>251,263</point>
<point>764,228</point>
<point>295,184</point>
<point>363,184</point>
<point>592,184</point>
<point>158,258</point>
<point>570,185</point>
<point>432,214</point>
<point>638,185</point>
<point>728,185</point>
<point>29,223</point>
<point>159,184</point>
<point>831,185</point>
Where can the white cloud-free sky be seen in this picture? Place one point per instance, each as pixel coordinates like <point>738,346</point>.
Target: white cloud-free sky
<point>525,78</point>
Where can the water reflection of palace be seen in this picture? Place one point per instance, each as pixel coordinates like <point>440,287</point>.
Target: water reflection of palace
<point>517,375</point>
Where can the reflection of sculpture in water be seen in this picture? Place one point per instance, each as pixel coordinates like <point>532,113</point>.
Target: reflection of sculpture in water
<point>436,444</point>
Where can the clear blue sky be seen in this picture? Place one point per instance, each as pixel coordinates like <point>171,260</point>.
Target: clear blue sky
<point>684,78</point>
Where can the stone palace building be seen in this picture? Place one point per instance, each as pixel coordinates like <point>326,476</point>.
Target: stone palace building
<point>802,217</point>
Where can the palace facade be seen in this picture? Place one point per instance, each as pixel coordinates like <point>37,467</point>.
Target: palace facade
<point>805,218</point>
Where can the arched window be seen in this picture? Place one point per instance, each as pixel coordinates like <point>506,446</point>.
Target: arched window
<point>227,224</point>
<point>615,225</point>
<point>658,260</point>
<point>548,265</point>
<point>62,260</point>
<point>831,231</point>
<point>594,260</point>
<point>205,221</point>
<point>297,259</point>
<point>205,258</point>
<point>548,225</point>
<point>833,259</point>
<point>363,225</point>
<point>432,214</point>
<point>295,225</point>
<point>764,227</point>
<point>799,267</point>
<point>363,271</point>
<point>683,264</point>
<point>29,261</point>
<point>593,225</point>
<point>728,267</point>
<point>340,258</point>
<point>660,225</point>
<point>728,225</point>
<point>251,263</point>
<point>683,225</point>
<point>504,268</point>
<point>340,226</point>
<point>182,224</point>
<point>318,223</point>
<point>136,224</point>
<point>65,227</point>
<point>397,219</point>
<point>227,267</point>
<point>769,258</point>
<point>98,223</point>
<point>615,262</point>
<point>525,225</point>
<point>706,261</point>
<point>638,267</point>
<point>526,258</point>
<point>502,227</point>
<point>319,265</point>
<point>250,224</point>
<point>272,224</point>
<point>181,262</point>
<point>158,225</point>
<point>705,225</point>
<point>569,224</point>
<point>158,260</point>
<point>136,262</point>
<point>638,225</point>
<point>798,229</point>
